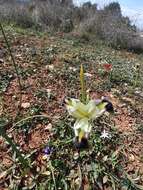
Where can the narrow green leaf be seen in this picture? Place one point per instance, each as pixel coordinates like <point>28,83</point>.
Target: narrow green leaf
<point>14,148</point>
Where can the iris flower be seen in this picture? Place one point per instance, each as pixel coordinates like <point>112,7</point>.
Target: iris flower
<point>48,150</point>
<point>85,113</point>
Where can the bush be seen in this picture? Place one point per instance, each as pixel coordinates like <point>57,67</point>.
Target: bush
<point>54,16</point>
<point>136,44</point>
<point>107,24</point>
<point>17,13</point>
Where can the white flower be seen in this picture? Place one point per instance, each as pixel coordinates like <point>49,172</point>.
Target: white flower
<point>91,110</point>
<point>82,127</point>
<point>83,114</point>
<point>105,134</point>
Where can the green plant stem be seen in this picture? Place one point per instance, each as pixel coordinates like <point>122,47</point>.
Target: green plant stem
<point>82,83</point>
<point>27,118</point>
<point>139,187</point>
<point>12,57</point>
<point>136,79</point>
<point>13,61</point>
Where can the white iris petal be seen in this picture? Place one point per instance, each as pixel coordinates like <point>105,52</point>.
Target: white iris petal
<point>82,124</point>
<point>77,109</point>
<point>83,114</point>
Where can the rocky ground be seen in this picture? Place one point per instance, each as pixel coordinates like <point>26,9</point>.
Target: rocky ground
<point>35,116</point>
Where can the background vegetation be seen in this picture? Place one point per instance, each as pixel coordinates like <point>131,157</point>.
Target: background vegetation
<point>89,22</point>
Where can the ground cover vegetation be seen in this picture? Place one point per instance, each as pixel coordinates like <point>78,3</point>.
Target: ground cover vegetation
<point>54,89</point>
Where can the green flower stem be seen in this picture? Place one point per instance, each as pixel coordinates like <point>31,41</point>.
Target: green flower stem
<point>10,52</point>
<point>136,79</point>
<point>14,63</point>
<point>82,82</point>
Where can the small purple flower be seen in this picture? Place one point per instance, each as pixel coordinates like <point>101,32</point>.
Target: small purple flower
<point>48,150</point>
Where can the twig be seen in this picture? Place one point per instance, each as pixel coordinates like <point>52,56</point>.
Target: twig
<point>80,176</point>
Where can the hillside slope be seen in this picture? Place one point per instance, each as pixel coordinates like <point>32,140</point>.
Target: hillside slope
<point>49,71</point>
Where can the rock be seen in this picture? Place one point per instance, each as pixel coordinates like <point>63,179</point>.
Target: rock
<point>139,93</point>
<point>76,155</point>
<point>87,74</point>
<point>48,127</point>
<point>122,105</point>
<point>25,105</point>
<point>72,69</point>
<point>50,67</point>
<point>49,92</point>
<point>131,158</point>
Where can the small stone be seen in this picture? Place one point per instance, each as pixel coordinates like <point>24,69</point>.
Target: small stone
<point>38,169</point>
<point>105,158</point>
<point>72,69</point>
<point>51,67</point>
<point>48,127</point>
<point>48,90</point>
<point>122,105</point>
<point>25,105</point>
<point>139,93</point>
<point>105,179</point>
<point>76,156</point>
<point>131,158</point>
<point>87,74</point>
<point>49,93</point>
